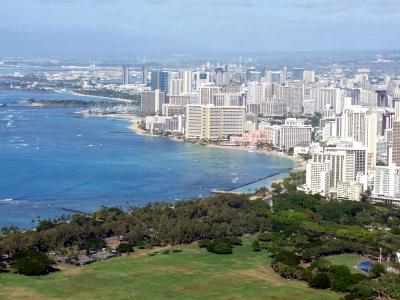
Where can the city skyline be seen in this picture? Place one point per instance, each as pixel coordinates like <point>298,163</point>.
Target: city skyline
<point>121,28</point>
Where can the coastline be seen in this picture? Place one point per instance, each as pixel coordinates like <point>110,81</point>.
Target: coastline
<point>100,97</point>
<point>299,163</point>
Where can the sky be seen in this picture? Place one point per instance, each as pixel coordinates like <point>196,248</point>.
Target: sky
<point>117,27</point>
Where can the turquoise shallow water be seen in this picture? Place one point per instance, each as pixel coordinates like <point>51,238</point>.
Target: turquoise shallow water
<point>51,158</point>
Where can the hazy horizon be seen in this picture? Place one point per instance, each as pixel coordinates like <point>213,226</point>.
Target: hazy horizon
<point>121,28</point>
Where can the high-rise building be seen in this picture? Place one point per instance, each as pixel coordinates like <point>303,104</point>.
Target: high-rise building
<point>325,95</point>
<point>175,87</point>
<point>160,80</point>
<point>318,177</point>
<point>387,184</point>
<point>207,93</point>
<point>309,76</point>
<point>152,102</point>
<point>145,75</point>
<point>186,76</point>
<point>361,126</point>
<point>214,122</point>
<point>125,75</point>
<point>297,74</point>
<point>294,97</point>
<point>294,132</point>
<point>396,143</point>
<point>382,98</point>
<point>228,99</point>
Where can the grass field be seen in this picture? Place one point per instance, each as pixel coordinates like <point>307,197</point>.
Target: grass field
<point>191,274</point>
<point>349,260</point>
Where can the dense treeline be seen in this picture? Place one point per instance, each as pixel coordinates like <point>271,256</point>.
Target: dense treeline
<point>299,229</point>
<point>156,224</point>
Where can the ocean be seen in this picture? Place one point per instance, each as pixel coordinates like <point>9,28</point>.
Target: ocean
<point>51,159</point>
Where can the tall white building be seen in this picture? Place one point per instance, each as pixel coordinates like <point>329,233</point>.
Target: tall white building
<point>361,126</point>
<point>175,87</point>
<point>151,102</point>
<point>325,95</point>
<point>228,99</point>
<point>318,177</point>
<point>214,122</point>
<point>207,94</point>
<point>187,77</point>
<point>387,184</point>
<point>294,132</point>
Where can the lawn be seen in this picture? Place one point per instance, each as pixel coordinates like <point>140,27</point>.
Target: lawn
<point>193,273</point>
<point>349,260</point>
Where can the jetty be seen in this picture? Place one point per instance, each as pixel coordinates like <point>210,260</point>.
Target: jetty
<point>232,190</point>
<point>76,211</point>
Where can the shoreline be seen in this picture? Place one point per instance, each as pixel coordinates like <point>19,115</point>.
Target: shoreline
<point>299,164</point>
<point>134,127</point>
<point>101,97</point>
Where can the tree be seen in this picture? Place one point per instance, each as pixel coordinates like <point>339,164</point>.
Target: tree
<point>125,248</point>
<point>32,263</point>
<point>377,270</point>
<point>320,281</point>
<point>321,265</point>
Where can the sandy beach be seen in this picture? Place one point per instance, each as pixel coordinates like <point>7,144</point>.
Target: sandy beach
<point>135,120</point>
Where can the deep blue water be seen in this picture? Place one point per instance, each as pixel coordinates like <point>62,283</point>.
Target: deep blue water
<point>51,158</point>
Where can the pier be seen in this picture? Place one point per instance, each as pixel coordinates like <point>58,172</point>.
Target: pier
<point>76,211</point>
<point>231,190</point>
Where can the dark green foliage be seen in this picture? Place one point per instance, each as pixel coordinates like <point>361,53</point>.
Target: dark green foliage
<point>341,279</point>
<point>331,247</point>
<point>320,281</point>
<point>92,243</point>
<point>232,240</point>
<point>264,237</point>
<point>286,257</point>
<point>341,212</point>
<point>32,263</point>
<point>45,225</point>
<point>220,247</point>
<point>3,268</point>
<point>321,265</point>
<point>204,243</point>
<point>125,248</point>
<point>395,230</point>
<point>295,201</point>
<point>377,270</point>
<point>256,246</point>
<point>289,272</point>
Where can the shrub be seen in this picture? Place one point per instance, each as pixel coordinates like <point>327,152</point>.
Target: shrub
<point>287,258</point>
<point>341,279</point>
<point>320,281</point>
<point>204,243</point>
<point>264,237</point>
<point>3,268</point>
<point>219,247</point>
<point>377,270</point>
<point>125,248</point>
<point>232,240</point>
<point>321,265</point>
<point>289,272</point>
<point>256,246</point>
